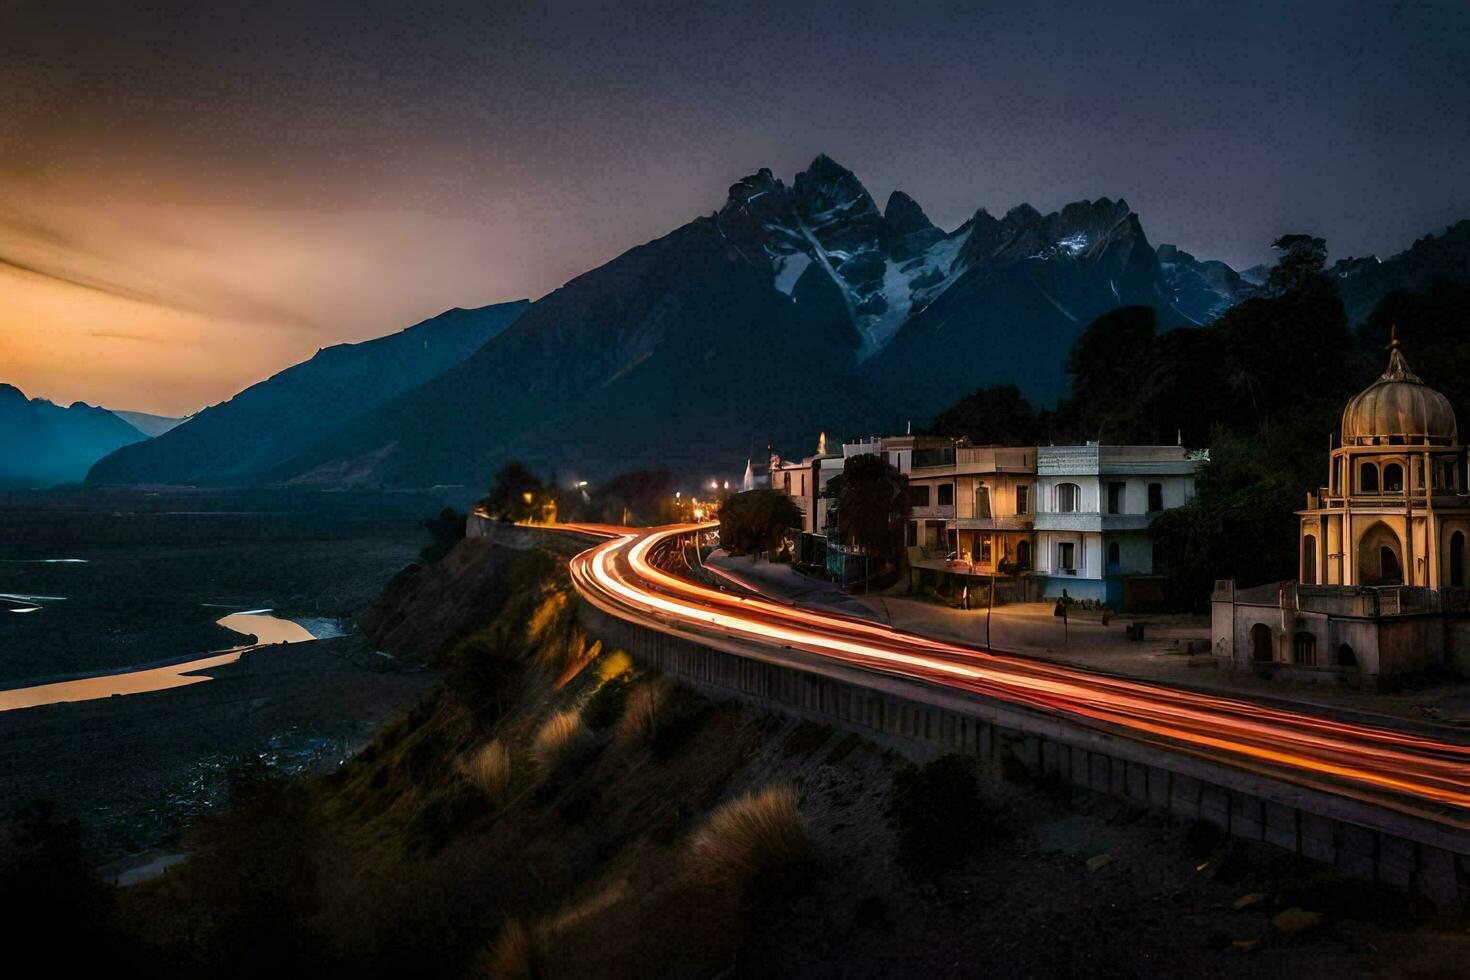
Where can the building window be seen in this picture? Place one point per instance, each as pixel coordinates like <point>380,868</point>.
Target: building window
<point>1155,497</point>
<point>1309,559</point>
<point>1304,649</point>
<point>946,495</point>
<point>985,549</point>
<point>1023,554</point>
<point>1367,478</point>
<point>1065,555</point>
<point>913,535</point>
<point>1457,560</point>
<point>1068,498</point>
<point>919,495</point>
<point>1115,556</point>
<point>1393,478</point>
<point>982,501</point>
<point>1115,497</point>
<point>1023,499</point>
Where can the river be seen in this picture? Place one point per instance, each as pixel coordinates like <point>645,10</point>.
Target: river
<point>267,628</point>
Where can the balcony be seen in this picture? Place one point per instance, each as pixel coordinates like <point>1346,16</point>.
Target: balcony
<point>1020,522</point>
<point>1093,521</point>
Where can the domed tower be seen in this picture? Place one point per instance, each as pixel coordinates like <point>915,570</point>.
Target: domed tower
<point>1394,511</point>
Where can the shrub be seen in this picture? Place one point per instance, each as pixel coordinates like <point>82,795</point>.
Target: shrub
<point>489,769</point>
<point>937,811</point>
<point>481,669</point>
<point>644,709</point>
<point>555,738</point>
<point>607,704</point>
<point>443,817</point>
<point>751,842</point>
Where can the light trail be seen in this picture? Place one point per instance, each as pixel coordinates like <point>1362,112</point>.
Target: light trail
<point>1402,770</point>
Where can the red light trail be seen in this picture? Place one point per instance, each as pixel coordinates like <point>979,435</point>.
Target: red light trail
<point>1401,770</point>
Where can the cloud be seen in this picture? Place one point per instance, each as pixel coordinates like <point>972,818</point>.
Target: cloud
<point>94,284</point>
<point>140,338</point>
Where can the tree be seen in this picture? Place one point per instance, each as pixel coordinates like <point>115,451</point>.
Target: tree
<point>445,531</point>
<point>996,416</point>
<point>872,507</point>
<point>1241,523</point>
<point>518,494</point>
<point>637,497</point>
<point>1302,258</point>
<point>755,521</point>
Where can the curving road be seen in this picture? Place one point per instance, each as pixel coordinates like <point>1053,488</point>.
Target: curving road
<point>1406,772</point>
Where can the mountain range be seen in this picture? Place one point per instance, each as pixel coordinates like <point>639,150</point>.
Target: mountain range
<point>46,444</point>
<point>789,310</point>
<point>240,439</point>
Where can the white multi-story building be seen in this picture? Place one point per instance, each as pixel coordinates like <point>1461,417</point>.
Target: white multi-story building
<point>1094,505</point>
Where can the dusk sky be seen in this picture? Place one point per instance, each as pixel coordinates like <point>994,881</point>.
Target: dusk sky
<point>195,195</point>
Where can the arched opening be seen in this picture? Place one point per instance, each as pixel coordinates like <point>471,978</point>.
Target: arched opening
<point>1309,559</point>
<point>1304,649</point>
<point>1115,558</point>
<point>1368,478</point>
<point>1023,554</point>
<point>1457,560</point>
<point>1379,561</point>
<point>1393,478</point>
<point>1068,498</point>
<point>1261,643</point>
<point>1346,657</point>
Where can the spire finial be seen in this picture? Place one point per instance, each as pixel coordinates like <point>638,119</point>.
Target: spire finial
<point>1393,337</point>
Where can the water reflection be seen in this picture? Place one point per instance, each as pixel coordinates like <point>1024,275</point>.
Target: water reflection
<point>267,629</point>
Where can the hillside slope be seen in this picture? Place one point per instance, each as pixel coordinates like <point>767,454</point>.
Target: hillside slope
<point>554,812</point>
<point>678,352</point>
<point>239,440</point>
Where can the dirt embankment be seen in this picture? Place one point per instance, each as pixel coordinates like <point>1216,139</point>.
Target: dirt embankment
<point>551,811</point>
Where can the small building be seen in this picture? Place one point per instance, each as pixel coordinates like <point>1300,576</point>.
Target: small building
<point>804,482</point>
<point>1381,551</point>
<point>970,508</point>
<point>1094,505</point>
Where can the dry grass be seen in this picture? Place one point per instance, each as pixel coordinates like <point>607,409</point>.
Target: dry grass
<point>755,839</point>
<point>517,953</point>
<point>489,769</point>
<point>644,711</point>
<point>555,738</point>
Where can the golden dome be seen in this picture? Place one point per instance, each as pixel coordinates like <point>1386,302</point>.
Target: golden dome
<point>1398,409</point>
